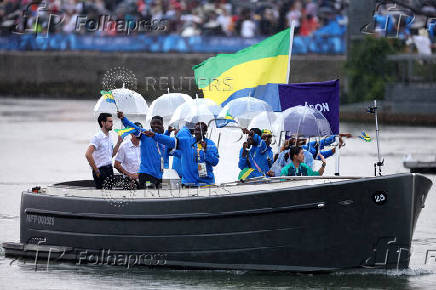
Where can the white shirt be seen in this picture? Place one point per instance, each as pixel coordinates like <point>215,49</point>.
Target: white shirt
<point>103,149</point>
<point>129,156</point>
<point>247,29</point>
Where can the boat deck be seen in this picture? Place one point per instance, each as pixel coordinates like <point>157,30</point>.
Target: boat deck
<point>75,189</point>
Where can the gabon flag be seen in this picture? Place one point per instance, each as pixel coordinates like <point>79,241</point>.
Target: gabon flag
<point>225,77</point>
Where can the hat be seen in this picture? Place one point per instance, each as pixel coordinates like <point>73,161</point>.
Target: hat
<point>266,132</point>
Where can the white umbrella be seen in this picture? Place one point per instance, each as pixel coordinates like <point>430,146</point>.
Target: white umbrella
<point>302,121</point>
<point>264,120</point>
<point>127,101</point>
<point>166,105</point>
<point>191,112</point>
<point>245,109</point>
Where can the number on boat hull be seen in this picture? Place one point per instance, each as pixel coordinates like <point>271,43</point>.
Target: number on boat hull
<point>379,197</point>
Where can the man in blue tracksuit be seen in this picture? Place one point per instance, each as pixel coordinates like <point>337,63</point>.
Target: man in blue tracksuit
<point>198,154</point>
<point>247,170</point>
<point>256,154</point>
<point>153,154</point>
<point>267,137</point>
<point>177,155</point>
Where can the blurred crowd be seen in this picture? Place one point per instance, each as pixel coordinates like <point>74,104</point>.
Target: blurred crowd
<point>417,31</point>
<point>246,18</point>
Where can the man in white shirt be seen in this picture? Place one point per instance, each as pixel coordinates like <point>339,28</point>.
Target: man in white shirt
<point>101,150</point>
<point>129,156</point>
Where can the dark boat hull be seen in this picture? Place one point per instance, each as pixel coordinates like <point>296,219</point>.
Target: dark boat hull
<point>347,224</point>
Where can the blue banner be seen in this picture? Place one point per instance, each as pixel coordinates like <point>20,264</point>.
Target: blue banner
<point>322,96</point>
<point>319,43</point>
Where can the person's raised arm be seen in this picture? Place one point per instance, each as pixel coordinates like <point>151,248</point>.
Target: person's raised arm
<point>127,123</point>
<point>321,170</point>
<point>326,153</point>
<point>327,141</point>
<point>117,146</point>
<point>332,138</point>
<point>171,142</point>
<point>169,130</point>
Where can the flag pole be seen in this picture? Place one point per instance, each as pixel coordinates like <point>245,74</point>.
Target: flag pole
<point>338,156</point>
<point>291,41</point>
<point>201,126</point>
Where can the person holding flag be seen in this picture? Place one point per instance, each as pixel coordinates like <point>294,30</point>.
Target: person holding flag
<point>256,156</point>
<point>152,153</point>
<point>101,150</point>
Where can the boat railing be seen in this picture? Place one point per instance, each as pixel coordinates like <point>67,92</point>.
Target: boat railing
<point>235,187</point>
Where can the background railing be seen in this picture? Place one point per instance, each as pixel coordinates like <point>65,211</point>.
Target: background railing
<point>316,44</point>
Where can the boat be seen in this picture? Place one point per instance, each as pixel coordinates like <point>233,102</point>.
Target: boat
<point>420,166</point>
<point>297,224</point>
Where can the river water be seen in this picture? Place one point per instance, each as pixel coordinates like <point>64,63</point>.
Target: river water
<point>44,141</point>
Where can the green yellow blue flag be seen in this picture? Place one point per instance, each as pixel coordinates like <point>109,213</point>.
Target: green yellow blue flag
<point>245,173</point>
<point>125,132</point>
<point>225,76</point>
<point>365,137</point>
<point>108,97</point>
<point>222,122</point>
